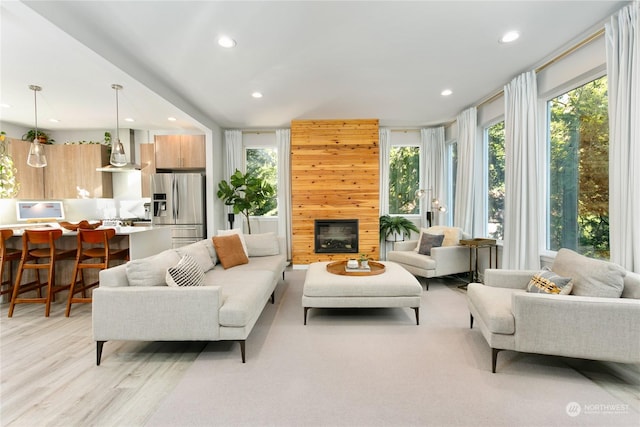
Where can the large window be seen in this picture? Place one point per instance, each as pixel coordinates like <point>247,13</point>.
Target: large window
<point>578,216</point>
<point>404,179</point>
<point>452,172</point>
<point>494,136</point>
<point>262,162</point>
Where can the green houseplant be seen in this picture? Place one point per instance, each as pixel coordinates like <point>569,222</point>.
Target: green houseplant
<point>43,138</point>
<point>245,193</point>
<point>396,227</point>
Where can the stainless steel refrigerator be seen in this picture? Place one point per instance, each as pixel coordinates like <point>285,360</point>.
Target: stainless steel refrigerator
<point>179,203</point>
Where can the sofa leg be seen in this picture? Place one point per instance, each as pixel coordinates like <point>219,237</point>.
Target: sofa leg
<point>305,314</point>
<point>417,310</point>
<point>99,345</point>
<point>273,297</point>
<point>242,350</point>
<point>470,321</point>
<point>494,358</point>
<point>282,274</point>
<point>426,283</point>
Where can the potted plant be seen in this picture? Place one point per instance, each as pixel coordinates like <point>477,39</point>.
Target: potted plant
<point>364,261</point>
<point>43,138</point>
<point>396,227</point>
<point>245,193</point>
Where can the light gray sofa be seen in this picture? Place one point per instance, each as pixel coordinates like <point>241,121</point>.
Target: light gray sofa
<point>603,326</point>
<point>443,261</point>
<point>134,303</point>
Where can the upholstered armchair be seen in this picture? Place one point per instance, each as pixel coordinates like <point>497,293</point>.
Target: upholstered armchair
<point>581,307</point>
<point>423,260</point>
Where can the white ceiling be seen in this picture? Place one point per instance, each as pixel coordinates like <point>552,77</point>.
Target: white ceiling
<point>311,60</point>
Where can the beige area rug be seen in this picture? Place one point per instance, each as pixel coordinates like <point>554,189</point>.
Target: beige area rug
<point>375,367</point>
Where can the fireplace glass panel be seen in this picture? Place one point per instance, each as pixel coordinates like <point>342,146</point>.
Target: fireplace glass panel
<point>336,236</point>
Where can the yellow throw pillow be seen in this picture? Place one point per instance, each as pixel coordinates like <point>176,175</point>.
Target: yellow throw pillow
<point>230,251</point>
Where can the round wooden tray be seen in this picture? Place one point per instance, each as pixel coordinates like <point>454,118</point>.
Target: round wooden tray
<point>339,267</point>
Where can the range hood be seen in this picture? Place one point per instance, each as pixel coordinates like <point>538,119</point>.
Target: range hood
<point>129,167</point>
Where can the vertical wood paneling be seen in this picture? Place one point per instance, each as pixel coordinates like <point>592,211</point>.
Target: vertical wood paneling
<point>334,175</point>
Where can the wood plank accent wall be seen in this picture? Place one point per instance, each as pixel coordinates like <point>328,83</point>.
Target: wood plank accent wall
<point>334,175</point>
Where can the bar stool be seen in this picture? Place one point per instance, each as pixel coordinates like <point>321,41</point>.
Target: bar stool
<point>7,255</point>
<point>97,248</point>
<point>39,245</point>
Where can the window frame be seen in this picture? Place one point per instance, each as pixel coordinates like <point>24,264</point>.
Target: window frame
<point>261,145</point>
<point>544,131</point>
<point>418,144</point>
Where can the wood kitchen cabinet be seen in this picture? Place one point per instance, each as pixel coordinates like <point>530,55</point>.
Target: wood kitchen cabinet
<point>180,152</point>
<point>70,172</point>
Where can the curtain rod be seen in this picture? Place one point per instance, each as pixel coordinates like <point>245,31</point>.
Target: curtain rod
<point>550,62</point>
<point>405,130</point>
<point>258,132</point>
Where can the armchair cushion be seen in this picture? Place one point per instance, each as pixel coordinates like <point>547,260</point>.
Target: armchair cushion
<point>591,277</point>
<point>428,241</point>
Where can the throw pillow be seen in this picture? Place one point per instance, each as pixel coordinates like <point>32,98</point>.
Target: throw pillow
<point>199,252</point>
<point>186,273</point>
<point>591,277</point>
<point>239,233</point>
<point>229,250</point>
<point>264,244</point>
<point>151,271</point>
<point>452,235</point>
<point>548,282</point>
<point>428,241</point>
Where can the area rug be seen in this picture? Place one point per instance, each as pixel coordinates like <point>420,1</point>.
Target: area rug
<point>376,367</point>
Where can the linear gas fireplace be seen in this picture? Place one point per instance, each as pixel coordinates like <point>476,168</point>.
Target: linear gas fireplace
<point>336,236</point>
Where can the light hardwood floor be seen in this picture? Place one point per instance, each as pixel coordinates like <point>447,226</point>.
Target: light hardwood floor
<point>49,375</point>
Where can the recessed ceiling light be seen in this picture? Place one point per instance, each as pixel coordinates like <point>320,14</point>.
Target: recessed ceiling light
<point>54,120</point>
<point>256,95</point>
<point>172,119</point>
<point>227,42</point>
<point>129,119</point>
<point>5,105</point>
<point>509,37</point>
<point>446,92</point>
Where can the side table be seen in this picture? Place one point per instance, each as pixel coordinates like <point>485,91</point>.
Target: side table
<point>476,244</point>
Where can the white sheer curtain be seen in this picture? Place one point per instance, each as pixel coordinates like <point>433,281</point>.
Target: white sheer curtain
<point>384,142</point>
<point>465,177</point>
<point>283,139</point>
<point>233,150</point>
<point>233,154</point>
<point>523,205</point>
<point>623,70</point>
<point>434,174</point>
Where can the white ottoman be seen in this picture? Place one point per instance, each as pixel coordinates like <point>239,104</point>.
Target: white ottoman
<point>396,287</point>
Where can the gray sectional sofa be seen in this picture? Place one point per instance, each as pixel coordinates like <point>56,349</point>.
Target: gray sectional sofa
<point>134,303</point>
<point>599,319</point>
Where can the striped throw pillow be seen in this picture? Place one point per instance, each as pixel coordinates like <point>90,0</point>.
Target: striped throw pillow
<point>186,273</point>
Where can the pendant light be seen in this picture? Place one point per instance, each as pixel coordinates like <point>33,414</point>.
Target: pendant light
<point>117,149</point>
<point>36,157</point>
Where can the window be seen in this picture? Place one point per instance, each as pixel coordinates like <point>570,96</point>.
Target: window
<point>262,162</point>
<point>494,137</point>
<point>404,179</point>
<point>578,136</point>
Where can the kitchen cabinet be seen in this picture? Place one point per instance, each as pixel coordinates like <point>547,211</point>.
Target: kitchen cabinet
<point>180,152</point>
<point>70,172</point>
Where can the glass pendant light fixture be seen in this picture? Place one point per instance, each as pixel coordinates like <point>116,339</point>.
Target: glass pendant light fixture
<point>117,158</point>
<point>36,157</point>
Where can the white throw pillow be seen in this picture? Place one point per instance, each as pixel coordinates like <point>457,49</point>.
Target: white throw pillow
<point>151,271</point>
<point>199,252</point>
<point>264,244</point>
<point>452,235</point>
<point>186,273</point>
<point>239,233</point>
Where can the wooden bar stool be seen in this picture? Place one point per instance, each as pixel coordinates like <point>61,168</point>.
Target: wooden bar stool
<point>39,245</point>
<point>7,255</point>
<point>92,245</point>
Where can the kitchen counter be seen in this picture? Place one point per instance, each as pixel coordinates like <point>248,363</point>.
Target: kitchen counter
<point>141,241</point>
